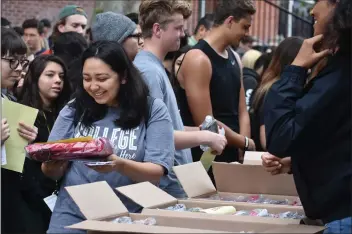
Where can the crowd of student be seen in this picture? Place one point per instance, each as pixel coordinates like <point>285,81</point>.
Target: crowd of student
<point>141,82</point>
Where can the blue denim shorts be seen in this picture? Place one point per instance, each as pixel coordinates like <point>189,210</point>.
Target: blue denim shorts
<point>342,226</point>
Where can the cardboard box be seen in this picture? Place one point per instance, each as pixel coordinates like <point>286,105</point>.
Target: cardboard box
<point>154,200</point>
<point>102,206</point>
<point>253,157</point>
<point>236,180</point>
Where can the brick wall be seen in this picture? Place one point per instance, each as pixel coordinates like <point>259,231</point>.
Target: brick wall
<point>17,11</point>
<point>265,21</point>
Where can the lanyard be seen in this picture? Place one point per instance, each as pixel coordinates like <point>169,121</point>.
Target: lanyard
<point>46,122</point>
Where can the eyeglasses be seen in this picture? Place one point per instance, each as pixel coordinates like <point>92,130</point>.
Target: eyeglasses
<point>15,62</point>
<point>138,36</point>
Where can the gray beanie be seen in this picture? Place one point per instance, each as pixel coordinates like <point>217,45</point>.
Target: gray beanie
<point>111,26</point>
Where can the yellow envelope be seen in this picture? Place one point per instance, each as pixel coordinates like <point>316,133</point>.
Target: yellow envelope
<point>15,113</point>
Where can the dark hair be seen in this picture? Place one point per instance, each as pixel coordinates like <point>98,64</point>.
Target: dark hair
<point>284,55</point>
<point>337,33</point>
<point>173,77</point>
<point>247,39</point>
<point>207,21</point>
<point>19,30</point>
<point>338,29</point>
<point>29,94</point>
<point>134,17</point>
<point>33,23</point>
<point>263,61</point>
<point>5,22</point>
<point>46,23</point>
<point>89,34</point>
<point>56,33</point>
<point>12,43</point>
<point>69,46</point>
<point>239,9</point>
<point>132,96</point>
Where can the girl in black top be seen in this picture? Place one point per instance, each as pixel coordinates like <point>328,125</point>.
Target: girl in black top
<point>45,88</point>
<point>283,56</point>
<point>309,118</point>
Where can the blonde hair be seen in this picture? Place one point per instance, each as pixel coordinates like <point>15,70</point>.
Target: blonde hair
<point>250,57</point>
<point>160,11</point>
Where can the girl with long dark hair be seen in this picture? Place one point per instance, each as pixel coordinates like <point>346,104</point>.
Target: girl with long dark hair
<point>45,88</point>
<point>309,119</point>
<point>283,56</point>
<point>112,102</point>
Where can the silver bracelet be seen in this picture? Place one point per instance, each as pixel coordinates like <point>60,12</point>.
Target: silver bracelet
<point>246,143</point>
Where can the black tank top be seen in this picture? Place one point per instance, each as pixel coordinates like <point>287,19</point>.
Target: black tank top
<point>224,89</point>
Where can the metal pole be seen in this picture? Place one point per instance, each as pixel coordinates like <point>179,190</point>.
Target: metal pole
<point>289,19</point>
<point>202,8</point>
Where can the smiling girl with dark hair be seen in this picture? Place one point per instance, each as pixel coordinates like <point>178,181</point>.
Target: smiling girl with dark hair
<point>310,119</point>
<point>112,102</point>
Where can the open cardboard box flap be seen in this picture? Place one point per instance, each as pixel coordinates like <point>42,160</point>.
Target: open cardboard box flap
<point>251,179</point>
<point>233,178</point>
<point>147,195</point>
<point>100,226</point>
<point>194,179</point>
<point>253,157</point>
<point>107,206</point>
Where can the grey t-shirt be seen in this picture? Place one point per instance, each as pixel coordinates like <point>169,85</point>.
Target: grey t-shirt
<point>154,143</point>
<point>160,87</point>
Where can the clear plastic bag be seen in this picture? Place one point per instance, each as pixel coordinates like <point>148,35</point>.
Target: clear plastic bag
<point>259,199</point>
<point>123,219</point>
<point>177,207</point>
<point>147,221</point>
<point>194,209</point>
<point>128,220</point>
<point>290,215</point>
<point>260,213</point>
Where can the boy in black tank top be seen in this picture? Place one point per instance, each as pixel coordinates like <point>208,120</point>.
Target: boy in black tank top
<point>212,82</point>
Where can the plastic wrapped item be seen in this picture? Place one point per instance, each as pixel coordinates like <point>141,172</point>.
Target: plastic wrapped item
<point>261,199</point>
<point>243,213</point>
<point>195,209</point>
<point>177,207</point>
<point>128,220</point>
<point>290,215</point>
<point>265,213</point>
<point>255,199</point>
<point>147,221</point>
<point>123,219</point>
<point>220,210</point>
<point>260,213</point>
<point>71,149</point>
<point>297,202</point>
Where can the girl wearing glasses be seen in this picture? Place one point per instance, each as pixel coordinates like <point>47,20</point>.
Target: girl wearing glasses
<point>45,88</point>
<point>13,51</point>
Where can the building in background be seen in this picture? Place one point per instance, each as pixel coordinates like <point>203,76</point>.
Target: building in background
<point>274,20</point>
<point>18,11</point>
